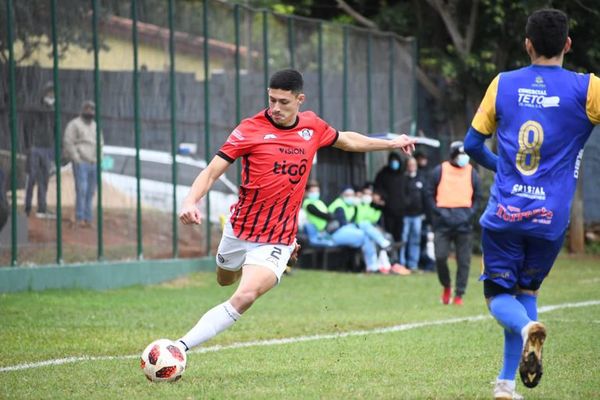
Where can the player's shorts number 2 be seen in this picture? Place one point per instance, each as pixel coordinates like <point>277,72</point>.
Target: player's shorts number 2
<point>531,137</point>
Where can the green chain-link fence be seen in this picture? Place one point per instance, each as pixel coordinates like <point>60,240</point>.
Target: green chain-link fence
<point>161,90</point>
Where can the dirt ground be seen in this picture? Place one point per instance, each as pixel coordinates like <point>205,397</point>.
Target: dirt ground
<point>119,231</point>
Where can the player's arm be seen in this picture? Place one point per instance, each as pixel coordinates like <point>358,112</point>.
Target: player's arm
<point>482,128</point>
<point>476,148</point>
<point>592,106</point>
<point>189,212</point>
<point>354,141</point>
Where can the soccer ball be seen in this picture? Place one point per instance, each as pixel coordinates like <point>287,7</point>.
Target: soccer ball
<point>163,361</point>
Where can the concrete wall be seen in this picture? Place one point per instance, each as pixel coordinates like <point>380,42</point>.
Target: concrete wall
<point>98,276</point>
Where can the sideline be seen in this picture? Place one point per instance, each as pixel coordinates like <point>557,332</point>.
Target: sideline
<point>297,339</point>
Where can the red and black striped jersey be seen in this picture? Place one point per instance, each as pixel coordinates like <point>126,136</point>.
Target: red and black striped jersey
<point>276,163</point>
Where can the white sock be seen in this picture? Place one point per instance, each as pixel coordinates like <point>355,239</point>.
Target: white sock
<point>215,321</point>
<point>511,383</point>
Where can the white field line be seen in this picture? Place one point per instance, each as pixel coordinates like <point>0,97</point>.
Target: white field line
<point>297,339</point>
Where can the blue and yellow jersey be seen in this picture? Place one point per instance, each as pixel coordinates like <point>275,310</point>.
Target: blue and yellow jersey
<point>542,116</point>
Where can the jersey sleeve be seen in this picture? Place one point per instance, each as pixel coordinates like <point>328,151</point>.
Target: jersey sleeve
<point>484,120</point>
<point>327,135</point>
<point>236,145</point>
<point>592,104</point>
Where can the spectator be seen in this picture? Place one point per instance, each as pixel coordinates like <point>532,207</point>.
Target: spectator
<point>39,142</point>
<point>349,234</point>
<point>453,193</point>
<point>369,205</point>
<point>80,149</point>
<point>319,220</point>
<point>422,162</point>
<point>414,208</point>
<point>389,182</point>
<point>368,209</point>
<point>426,259</point>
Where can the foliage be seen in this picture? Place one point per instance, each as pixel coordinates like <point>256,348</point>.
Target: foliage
<point>462,73</point>
<point>32,26</point>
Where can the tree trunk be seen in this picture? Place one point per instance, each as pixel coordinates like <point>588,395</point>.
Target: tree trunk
<point>577,229</point>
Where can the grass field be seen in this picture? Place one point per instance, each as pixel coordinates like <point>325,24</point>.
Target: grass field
<point>444,358</point>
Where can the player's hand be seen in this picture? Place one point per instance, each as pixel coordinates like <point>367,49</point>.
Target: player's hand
<point>294,255</point>
<point>405,143</point>
<point>190,215</point>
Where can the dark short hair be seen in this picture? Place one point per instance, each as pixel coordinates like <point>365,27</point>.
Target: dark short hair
<point>287,79</point>
<point>547,30</point>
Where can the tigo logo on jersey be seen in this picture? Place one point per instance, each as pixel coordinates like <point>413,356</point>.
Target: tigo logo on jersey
<point>306,134</point>
<point>537,98</point>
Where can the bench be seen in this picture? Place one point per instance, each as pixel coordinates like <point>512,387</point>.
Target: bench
<point>340,258</point>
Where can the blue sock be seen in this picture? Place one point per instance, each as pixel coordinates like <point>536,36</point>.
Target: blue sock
<point>512,355</point>
<point>509,312</point>
<point>530,303</point>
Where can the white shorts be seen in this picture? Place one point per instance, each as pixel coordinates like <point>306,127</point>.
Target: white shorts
<point>233,253</point>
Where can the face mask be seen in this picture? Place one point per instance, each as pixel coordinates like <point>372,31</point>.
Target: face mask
<point>87,117</point>
<point>313,195</point>
<point>349,201</point>
<point>395,165</point>
<point>366,199</point>
<point>49,100</point>
<point>412,174</point>
<point>462,160</point>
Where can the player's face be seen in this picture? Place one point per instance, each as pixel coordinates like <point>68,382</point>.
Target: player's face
<point>411,165</point>
<point>284,106</point>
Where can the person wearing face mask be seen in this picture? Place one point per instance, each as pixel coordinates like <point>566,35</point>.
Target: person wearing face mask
<point>452,198</point>
<point>79,145</point>
<point>414,200</point>
<point>344,209</point>
<point>368,214</point>
<point>390,182</point>
<point>39,142</point>
<point>319,222</point>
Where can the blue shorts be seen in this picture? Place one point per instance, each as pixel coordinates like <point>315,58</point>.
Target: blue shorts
<point>511,258</point>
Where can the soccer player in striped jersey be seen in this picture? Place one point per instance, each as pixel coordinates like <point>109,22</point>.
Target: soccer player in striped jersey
<point>542,116</point>
<point>277,147</point>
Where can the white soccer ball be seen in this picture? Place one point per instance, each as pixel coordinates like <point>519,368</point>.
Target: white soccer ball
<point>163,361</point>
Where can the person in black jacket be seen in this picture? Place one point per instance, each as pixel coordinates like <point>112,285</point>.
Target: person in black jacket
<point>414,209</point>
<point>39,142</point>
<point>390,182</point>
<point>453,194</point>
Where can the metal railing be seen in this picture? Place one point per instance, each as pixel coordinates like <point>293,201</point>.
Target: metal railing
<point>311,38</point>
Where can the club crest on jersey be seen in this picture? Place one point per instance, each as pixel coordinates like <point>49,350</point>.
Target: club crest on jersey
<point>306,134</point>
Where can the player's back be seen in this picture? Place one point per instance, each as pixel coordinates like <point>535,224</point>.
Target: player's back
<point>542,126</point>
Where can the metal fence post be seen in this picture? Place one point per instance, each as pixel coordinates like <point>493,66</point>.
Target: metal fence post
<point>136,118</point>
<point>369,100</point>
<point>345,80</point>
<point>97,97</point>
<point>391,87</point>
<point>415,107</point>
<point>291,42</point>
<point>266,54</point>
<point>174,220</point>
<point>206,115</point>
<point>57,135</point>
<point>238,89</point>
<point>321,80</point>
<point>13,132</point>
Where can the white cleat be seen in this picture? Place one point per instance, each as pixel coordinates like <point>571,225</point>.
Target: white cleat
<point>504,390</point>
